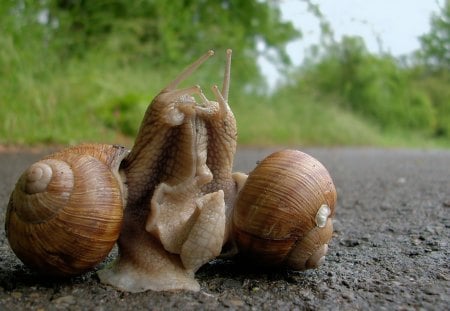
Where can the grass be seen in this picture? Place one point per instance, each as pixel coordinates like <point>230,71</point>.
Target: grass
<point>292,119</point>
<point>79,103</point>
<point>98,100</point>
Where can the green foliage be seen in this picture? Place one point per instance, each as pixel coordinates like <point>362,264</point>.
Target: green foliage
<point>121,113</point>
<point>292,117</point>
<point>74,70</point>
<point>435,50</point>
<point>373,86</point>
<point>431,73</point>
<point>23,45</point>
<point>166,32</point>
<point>437,91</point>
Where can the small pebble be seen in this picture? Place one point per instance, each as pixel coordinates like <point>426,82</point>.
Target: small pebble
<point>401,180</point>
<point>233,302</point>
<point>64,301</point>
<point>350,243</point>
<point>337,225</point>
<point>431,291</point>
<point>348,296</point>
<point>442,276</point>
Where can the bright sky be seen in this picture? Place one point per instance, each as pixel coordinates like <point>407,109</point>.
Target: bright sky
<point>398,23</point>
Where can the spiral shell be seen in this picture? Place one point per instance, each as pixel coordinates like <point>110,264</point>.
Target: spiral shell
<point>282,216</point>
<point>66,211</point>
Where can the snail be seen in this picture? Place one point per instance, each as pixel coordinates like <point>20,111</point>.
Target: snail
<point>66,211</point>
<point>181,203</point>
<point>282,215</point>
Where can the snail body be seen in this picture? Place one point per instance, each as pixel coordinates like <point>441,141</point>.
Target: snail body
<point>66,211</point>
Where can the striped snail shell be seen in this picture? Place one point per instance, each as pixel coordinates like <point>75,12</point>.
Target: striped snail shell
<point>282,216</point>
<point>66,211</point>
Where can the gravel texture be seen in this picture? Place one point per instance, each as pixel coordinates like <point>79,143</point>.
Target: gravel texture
<point>390,250</point>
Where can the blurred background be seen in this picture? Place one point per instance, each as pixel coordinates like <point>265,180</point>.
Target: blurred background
<point>323,73</point>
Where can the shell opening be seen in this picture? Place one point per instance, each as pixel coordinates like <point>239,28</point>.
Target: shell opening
<point>38,177</point>
<point>322,215</point>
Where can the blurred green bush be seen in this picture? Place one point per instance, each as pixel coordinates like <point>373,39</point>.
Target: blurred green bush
<point>76,70</point>
<point>378,88</point>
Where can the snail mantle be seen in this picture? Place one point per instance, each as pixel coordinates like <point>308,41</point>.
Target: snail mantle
<point>172,202</point>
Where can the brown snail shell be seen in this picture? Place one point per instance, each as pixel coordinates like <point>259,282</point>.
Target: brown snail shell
<point>282,216</point>
<point>66,211</point>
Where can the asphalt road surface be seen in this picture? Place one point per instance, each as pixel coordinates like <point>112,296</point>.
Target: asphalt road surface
<point>390,250</point>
